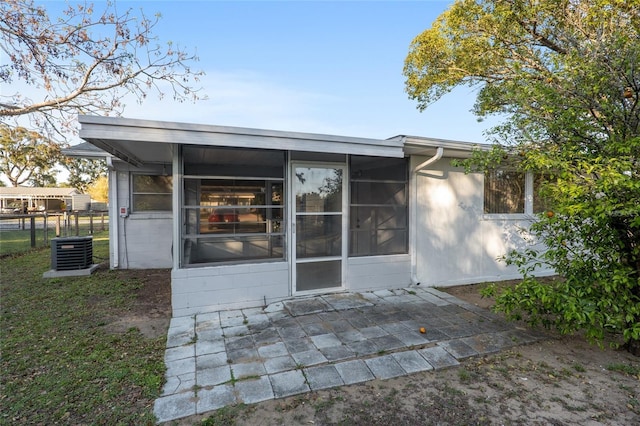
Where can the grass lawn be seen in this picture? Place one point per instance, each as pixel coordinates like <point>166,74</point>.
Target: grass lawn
<point>59,365</point>
<point>19,241</point>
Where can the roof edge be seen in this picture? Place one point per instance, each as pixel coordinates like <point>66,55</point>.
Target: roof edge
<point>231,130</point>
<point>427,142</point>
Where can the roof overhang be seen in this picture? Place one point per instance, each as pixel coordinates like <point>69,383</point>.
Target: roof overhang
<point>141,142</point>
<point>85,150</point>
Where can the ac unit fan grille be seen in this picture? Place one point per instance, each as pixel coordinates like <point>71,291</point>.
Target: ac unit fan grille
<point>71,253</point>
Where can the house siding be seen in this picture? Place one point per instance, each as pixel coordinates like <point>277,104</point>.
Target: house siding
<point>456,242</point>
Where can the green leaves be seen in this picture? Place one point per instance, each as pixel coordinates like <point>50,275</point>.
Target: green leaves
<point>567,75</point>
<point>27,157</point>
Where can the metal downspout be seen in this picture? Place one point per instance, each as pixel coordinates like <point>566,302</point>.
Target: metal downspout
<point>414,212</point>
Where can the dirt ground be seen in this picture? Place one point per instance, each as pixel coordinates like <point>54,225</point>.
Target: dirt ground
<point>558,381</point>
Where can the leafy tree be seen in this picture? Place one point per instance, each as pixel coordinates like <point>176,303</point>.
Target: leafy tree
<point>83,172</point>
<point>84,62</point>
<point>44,180</point>
<point>27,157</point>
<point>566,74</point>
<point>99,189</point>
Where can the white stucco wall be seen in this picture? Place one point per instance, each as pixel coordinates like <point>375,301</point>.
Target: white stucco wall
<point>456,243</point>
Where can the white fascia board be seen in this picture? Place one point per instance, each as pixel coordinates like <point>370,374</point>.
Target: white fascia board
<point>80,153</point>
<point>132,130</point>
<point>414,145</point>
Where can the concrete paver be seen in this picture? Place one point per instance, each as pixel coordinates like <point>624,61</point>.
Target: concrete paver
<point>213,398</point>
<point>438,357</point>
<point>385,367</point>
<point>308,358</point>
<point>213,376</point>
<point>252,355</point>
<point>323,377</point>
<point>279,364</point>
<point>412,361</point>
<point>355,371</point>
<point>288,383</point>
<point>256,390</point>
<point>248,369</point>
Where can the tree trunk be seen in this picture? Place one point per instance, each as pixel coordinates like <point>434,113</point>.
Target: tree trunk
<point>630,237</point>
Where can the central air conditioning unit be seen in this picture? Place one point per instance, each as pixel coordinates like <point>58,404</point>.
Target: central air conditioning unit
<point>71,253</point>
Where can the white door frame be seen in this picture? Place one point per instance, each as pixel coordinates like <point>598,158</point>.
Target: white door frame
<point>293,261</point>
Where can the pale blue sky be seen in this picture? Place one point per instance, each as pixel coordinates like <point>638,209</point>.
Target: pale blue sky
<point>324,67</point>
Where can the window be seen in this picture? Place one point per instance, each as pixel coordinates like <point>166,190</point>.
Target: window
<point>151,193</point>
<point>540,204</point>
<point>504,192</point>
<point>379,218</point>
<point>511,192</point>
<point>233,205</point>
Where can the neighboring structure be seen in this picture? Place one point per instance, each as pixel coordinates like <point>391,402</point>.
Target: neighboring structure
<point>246,217</point>
<point>30,199</point>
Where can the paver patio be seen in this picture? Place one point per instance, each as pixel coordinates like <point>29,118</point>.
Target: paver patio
<point>302,345</point>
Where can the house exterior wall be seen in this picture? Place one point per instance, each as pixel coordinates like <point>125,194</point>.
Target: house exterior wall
<point>214,288</point>
<point>456,243</point>
<point>370,273</point>
<point>144,239</point>
<point>451,240</point>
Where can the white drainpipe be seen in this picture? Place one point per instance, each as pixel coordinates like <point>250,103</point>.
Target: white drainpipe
<point>414,212</point>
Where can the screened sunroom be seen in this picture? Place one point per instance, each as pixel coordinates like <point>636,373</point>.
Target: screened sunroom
<point>246,217</point>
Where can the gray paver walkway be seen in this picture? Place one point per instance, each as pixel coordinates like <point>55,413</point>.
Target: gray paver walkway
<point>301,345</point>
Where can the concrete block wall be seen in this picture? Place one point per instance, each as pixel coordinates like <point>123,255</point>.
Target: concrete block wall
<point>372,273</point>
<point>208,289</point>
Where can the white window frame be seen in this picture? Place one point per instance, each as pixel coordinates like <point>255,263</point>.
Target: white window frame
<point>528,203</point>
<point>133,193</point>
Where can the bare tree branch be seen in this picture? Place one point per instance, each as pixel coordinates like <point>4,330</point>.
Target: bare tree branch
<point>85,62</point>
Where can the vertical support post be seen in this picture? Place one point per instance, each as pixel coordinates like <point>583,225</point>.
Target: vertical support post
<point>32,225</point>
<point>91,223</point>
<point>57,225</point>
<point>77,224</point>
<point>45,229</point>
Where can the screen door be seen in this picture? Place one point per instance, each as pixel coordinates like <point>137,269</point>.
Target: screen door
<point>319,226</point>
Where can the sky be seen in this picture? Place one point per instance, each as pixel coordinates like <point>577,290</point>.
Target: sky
<point>332,67</point>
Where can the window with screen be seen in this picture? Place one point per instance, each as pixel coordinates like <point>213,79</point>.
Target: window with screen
<point>234,208</point>
<point>378,206</point>
<point>511,192</point>
<point>504,192</point>
<point>540,203</point>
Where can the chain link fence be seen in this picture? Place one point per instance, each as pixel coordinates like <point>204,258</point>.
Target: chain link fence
<point>23,232</point>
